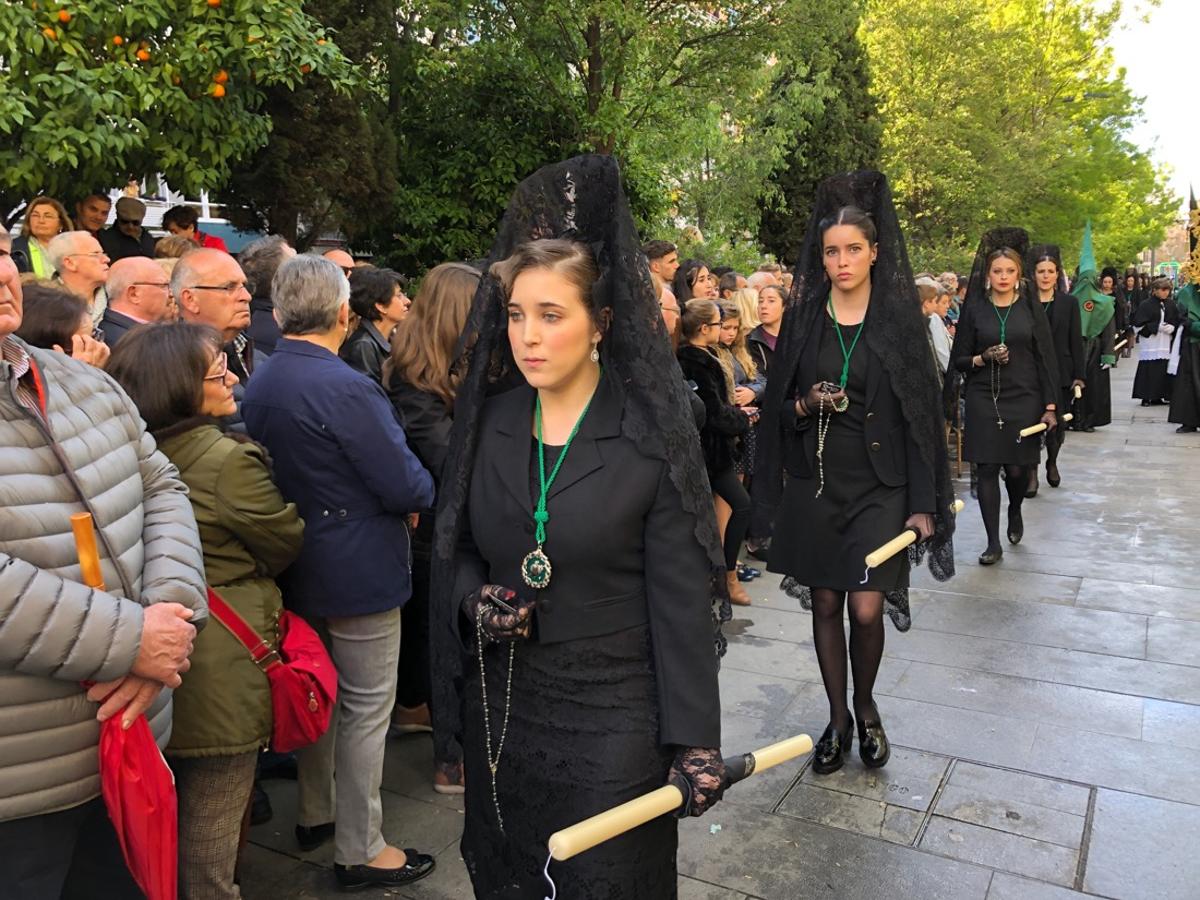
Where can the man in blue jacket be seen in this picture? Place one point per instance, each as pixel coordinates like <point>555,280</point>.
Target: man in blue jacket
<point>340,455</point>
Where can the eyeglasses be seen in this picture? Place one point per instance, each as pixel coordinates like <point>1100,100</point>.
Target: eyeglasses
<point>231,287</point>
<point>121,221</point>
<point>165,285</point>
<point>90,253</point>
<point>222,361</point>
<point>346,270</point>
<point>670,309</point>
<point>712,325</point>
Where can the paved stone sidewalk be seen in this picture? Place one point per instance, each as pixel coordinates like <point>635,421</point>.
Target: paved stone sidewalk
<point>1045,712</point>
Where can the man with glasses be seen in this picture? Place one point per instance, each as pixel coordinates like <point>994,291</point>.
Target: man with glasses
<point>211,289</point>
<point>342,260</point>
<point>126,237</point>
<point>81,267</point>
<point>138,292</point>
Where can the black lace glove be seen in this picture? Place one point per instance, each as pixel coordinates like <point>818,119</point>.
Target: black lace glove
<point>699,773</point>
<point>504,615</point>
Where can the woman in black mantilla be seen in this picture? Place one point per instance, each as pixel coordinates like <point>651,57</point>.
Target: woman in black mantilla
<point>576,551</point>
<point>1063,313</point>
<point>855,420</point>
<point>1004,347</point>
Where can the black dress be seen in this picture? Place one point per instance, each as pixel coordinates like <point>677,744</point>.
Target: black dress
<point>856,512</point>
<point>619,671</point>
<point>1019,398</point>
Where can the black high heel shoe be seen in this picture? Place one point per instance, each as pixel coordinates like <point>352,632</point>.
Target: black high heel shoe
<point>873,746</point>
<point>1016,525</point>
<point>831,749</point>
<point>1052,477</point>
<point>991,556</point>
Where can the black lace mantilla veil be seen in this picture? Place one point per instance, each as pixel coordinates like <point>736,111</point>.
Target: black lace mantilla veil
<point>896,333</point>
<point>582,200</point>
<point>1041,251</point>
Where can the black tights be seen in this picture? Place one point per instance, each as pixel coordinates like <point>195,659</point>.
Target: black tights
<point>866,649</point>
<point>1054,442</point>
<point>729,488</point>
<point>1016,480</point>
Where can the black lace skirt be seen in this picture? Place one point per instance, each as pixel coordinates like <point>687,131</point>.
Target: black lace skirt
<point>582,737</point>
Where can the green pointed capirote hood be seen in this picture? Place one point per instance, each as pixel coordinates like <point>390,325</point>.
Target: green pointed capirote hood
<point>1096,308</point>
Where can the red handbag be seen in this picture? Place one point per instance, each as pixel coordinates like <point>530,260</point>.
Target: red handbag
<point>303,679</point>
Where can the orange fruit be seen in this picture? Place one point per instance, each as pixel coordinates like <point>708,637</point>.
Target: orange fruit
<point>306,68</point>
<point>64,16</point>
<point>214,3</point>
<point>218,91</point>
<point>118,40</point>
<point>320,42</point>
<point>143,55</point>
<point>221,77</point>
<point>50,33</point>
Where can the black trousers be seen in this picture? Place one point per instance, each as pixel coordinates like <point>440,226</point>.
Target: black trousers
<point>68,855</point>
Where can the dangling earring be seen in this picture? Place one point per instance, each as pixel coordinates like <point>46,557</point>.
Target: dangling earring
<point>595,357</point>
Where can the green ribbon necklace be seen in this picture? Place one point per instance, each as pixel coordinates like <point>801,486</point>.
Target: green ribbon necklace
<point>535,568</point>
<point>1003,320</point>
<point>846,354</point>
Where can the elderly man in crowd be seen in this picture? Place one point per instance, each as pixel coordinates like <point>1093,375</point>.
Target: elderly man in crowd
<point>126,236</point>
<point>260,260</point>
<point>73,441</point>
<point>91,213</point>
<point>82,268</point>
<point>342,260</point>
<point>138,292</point>
<point>211,289</point>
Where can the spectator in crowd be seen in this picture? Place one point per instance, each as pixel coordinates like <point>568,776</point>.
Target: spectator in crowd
<point>130,639</point>
<point>747,304</point>
<point>126,236</point>
<point>692,282</point>
<point>729,284</point>
<point>10,278</point>
<point>931,293</point>
<point>759,280</point>
<point>91,213</point>
<point>775,270</point>
<point>761,341</point>
<point>355,481</point>
<point>342,260</point>
<point>378,300</point>
<point>663,257</point>
<point>211,289</point>
<point>173,246</point>
<point>55,319</point>
<point>183,221</point>
<point>82,268</point>
<point>45,217</point>
<point>179,378</point>
<point>421,386</point>
<point>138,292</point>
<point>260,260</point>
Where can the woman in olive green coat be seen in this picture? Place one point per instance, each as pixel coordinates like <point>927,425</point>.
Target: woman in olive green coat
<point>178,376</point>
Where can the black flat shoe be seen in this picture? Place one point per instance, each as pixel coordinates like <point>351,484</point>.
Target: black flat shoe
<point>1032,490</point>
<point>311,837</point>
<point>1186,429</point>
<point>1145,403</point>
<point>1016,525</point>
<point>355,878</point>
<point>1052,477</point>
<point>873,746</point>
<point>1088,429</point>
<point>831,749</point>
<point>760,550</point>
<point>991,556</point>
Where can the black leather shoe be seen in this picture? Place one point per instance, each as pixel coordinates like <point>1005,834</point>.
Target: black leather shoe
<point>355,878</point>
<point>260,807</point>
<point>991,556</point>
<point>1088,429</point>
<point>873,746</point>
<point>1032,490</point>
<point>1016,525</point>
<point>311,837</point>
<point>760,550</point>
<point>1052,477</point>
<point>831,749</point>
<point>1186,429</point>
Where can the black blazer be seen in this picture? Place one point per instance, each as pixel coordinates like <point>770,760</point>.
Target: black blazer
<point>116,325</point>
<point>1067,328</point>
<point>894,454</point>
<point>723,422</point>
<point>622,547</point>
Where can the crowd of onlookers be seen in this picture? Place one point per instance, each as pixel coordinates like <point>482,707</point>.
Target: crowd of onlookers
<point>262,425</point>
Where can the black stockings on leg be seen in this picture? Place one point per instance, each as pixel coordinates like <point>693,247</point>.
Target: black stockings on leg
<point>1016,480</point>
<point>989,501</point>
<point>829,636</point>
<point>866,649</point>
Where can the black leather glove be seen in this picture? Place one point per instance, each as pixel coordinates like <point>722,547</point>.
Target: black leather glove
<point>699,773</point>
<point>1050,417</point>
<point>996,354</point>
<point>503,615</point>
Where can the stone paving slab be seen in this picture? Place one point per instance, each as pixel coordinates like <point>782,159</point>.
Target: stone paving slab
<point>1143,848</point>
<point>1011,887</point>
<point>1143,599</point>
<point>998,849</point>
<point>1174,641</point>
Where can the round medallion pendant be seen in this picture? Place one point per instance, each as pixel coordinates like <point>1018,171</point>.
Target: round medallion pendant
<point>842,405</point>
<point>535,569</point>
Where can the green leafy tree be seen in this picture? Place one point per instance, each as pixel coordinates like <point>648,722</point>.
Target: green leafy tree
<point>1010,112</point>
<point>96,91</point>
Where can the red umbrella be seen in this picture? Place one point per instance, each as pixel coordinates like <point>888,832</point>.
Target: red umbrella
<point>137,784</point>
